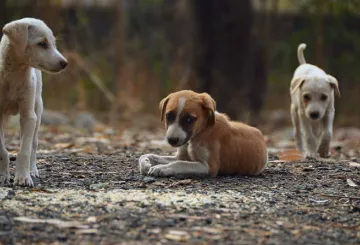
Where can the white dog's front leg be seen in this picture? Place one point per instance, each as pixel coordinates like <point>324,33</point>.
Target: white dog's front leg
<point>4,157</point>
<point>310,146</point>
<point>180,168</point>
<point>22,172</point>
<point>324,146</point>
<point>296,127</point>
<point>38,111</point>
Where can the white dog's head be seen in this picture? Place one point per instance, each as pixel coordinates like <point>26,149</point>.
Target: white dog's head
<point>315,94</point>
<point>34,44</point>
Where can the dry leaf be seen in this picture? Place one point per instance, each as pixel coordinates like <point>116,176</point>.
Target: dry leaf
<point>351,183</point>
<point>354,164</point>
<point>180,236</point>
<point>63,145</point>
<point>290,155</point>
<point>56,222</point>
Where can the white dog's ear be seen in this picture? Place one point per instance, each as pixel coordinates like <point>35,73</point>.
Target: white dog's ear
<point>296,83</point>
<point>334,84</point>
<point>18,32</point>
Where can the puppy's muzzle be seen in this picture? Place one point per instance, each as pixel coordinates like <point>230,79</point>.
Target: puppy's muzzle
<point>173,141</point>
<point>63,64</point>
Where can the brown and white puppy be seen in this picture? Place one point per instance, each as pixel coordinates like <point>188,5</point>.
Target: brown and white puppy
<point>208,143</point>
<point>312,107</point>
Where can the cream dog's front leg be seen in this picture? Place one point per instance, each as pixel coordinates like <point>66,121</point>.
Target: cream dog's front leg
<point>324,146</point>
<point>4,156</point>
<point>309,139</point>
<point>180,168</point>
<point>296,127</point>
<point>28,120</point>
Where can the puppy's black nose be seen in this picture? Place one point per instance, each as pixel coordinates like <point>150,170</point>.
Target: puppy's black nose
<point>63,64</point>
<point>314,115</point>
<point>173,141</point>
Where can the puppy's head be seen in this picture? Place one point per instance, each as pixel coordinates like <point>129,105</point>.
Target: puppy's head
<point>186,114</point>
<point>34,43</point>
<point>316,94</point>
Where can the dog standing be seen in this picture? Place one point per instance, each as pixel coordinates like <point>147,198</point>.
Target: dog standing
<point>312,107</point>
<point>208,143</point>
<point>27,48</point>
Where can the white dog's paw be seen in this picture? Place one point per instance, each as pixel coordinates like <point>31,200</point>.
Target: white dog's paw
<point>34,171</point>
<point>4,177</point>
<point>161,171</point>
<point>311,155</point>
<point>144,164</point>
<point>23,179</point>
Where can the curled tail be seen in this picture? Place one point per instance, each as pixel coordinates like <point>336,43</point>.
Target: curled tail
<point>300,53</point>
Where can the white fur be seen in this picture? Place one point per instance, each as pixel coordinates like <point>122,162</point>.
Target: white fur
<point>175,130</point>
<point>312,135</point>
<point>21,51</point>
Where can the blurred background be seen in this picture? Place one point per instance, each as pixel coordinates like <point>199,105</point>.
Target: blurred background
<point>125,55</point>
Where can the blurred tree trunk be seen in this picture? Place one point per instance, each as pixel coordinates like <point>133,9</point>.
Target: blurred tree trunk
<point>319,15</point>
<point>3,13</point>
<point>229,61</point>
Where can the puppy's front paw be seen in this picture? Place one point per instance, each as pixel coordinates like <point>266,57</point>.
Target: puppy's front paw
<point>4,177</point>
<point>23,179</point>
<point>34,171</point>
<point>311,155</point>
<point>144,165</point>
<point>160,171</point>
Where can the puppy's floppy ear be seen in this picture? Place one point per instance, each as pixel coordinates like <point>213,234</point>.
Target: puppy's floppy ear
<point>334,84</point>
<point>162,106</point>
<point>209,104</point>
<point>296,83</point>
<point>17,32</point>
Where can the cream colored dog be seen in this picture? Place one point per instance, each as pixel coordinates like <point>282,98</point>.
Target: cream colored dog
<point>27,46</point>
<point>312,107</point>
<point>208,143</point>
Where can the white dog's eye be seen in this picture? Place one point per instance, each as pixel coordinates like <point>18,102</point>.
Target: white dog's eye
<point>306,97</point>
<point>323,97</point>
<point>43,44</point>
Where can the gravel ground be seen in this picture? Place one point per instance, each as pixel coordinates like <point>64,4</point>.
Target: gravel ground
<point>90,192</point>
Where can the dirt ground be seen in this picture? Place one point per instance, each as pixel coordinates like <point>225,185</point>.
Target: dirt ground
<point>90,192</point>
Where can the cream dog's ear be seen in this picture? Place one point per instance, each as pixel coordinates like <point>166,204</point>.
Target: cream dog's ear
<point>334,84</point>
<point>209,104</point>
<point>162,106</point>
<point>296,83</point>
<point>17,31</point>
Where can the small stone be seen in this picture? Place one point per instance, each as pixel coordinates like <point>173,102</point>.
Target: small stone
<point>149,180</point>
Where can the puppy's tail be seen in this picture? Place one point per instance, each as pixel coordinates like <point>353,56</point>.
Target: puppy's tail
<point>300,53</point>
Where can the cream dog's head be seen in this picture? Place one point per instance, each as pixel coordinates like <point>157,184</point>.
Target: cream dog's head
<point>34,44</point>
<point>315,94</point>
<point>186,114</point>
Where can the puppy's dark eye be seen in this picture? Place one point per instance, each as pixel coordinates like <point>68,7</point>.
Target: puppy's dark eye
<point>306,97</point>
<point>323,97</point>
<point>170,116</point>
<point>43,44</point>
<point>189,119</point>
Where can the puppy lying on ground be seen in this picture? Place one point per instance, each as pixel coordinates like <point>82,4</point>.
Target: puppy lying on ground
<point>312,107</point>
<point>26,47</point>
<point>208,142</point>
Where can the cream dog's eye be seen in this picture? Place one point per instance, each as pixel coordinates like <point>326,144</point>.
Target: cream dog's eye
<point>307,97</point>
<point>43,44</point>
<point>323,97</point>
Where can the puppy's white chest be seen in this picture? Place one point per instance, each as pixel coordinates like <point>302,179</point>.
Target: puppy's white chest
<point>198,152</point>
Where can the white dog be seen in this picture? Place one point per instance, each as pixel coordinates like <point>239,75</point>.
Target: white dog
<point>27,46</point>
<point>312,107</point>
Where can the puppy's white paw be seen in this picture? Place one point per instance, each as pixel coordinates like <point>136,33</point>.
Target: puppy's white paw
<point>4,177</point>
<point>161,171</point>
<point>34,171</point>
<point>144,164</point>
<point>23,179</point>
<point>311,155</point>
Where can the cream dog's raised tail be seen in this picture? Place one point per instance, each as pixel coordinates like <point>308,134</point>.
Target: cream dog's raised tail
<point>300,53</point>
